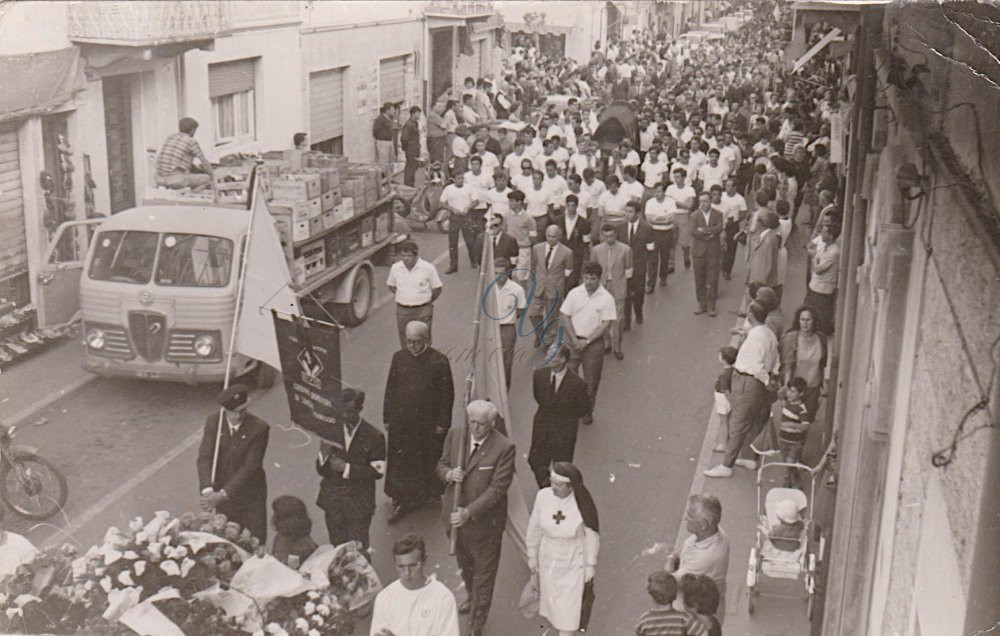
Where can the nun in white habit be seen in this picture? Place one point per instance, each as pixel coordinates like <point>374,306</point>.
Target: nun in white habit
<point>563,543</point>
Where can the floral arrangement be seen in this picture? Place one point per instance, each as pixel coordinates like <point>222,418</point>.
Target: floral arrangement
<point>178,574</point>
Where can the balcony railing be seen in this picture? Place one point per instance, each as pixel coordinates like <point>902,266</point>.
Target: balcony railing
<point>147,23</point>
<point>460,8</point>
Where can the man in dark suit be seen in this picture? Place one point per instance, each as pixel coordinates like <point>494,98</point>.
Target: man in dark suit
<point>504,245</point>
<point>481,516</point>
<point>638,236</point>
<point>576,236</point>
<point>707,223</point>
<point>239,489</point>
<point>349,471</point>
<point>552,263</point>
<point>562,400</point>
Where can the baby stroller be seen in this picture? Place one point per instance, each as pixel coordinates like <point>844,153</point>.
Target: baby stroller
<point>780,506</point>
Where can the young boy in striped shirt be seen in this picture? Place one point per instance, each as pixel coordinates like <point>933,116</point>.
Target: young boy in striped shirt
<point>794,426</point>
<point>663,619</point>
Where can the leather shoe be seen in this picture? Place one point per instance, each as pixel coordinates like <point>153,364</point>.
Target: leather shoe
<point>663,282</point>
<point>619,355</point>
<point>451,270</point>
<point>711,312</point>
<point>638,320</point>
<point>465,607</point>
<point>397,513</point>
<point>699,311</point>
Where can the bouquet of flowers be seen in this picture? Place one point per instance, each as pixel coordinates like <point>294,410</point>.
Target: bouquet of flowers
<point>352,578</point>
<point>313,613</point>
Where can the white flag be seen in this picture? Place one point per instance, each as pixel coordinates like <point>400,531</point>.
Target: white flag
<point>267,285</point>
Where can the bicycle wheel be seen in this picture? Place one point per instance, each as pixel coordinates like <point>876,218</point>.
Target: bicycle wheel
<point>32,487</point>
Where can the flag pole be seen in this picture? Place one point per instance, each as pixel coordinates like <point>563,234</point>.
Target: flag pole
<point>485,264</point>
<point>241,284</point>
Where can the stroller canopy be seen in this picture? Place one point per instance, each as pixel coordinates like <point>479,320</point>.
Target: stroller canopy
<point>618,122</point>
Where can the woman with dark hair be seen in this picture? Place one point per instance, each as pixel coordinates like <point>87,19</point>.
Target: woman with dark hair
<point>563,543</point>
<point>292,525</point>
<point>803,355</point>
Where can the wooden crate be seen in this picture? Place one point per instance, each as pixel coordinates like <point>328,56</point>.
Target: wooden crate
<point>329,219</point>
<point>367,232</point>
<point>231,184</point>
<point>297,186</point>
<point>350,241</point>
<point>331,244</point>
<point>328,200</point>
<point>316,207</point>
<point>314,259</point>
<point>383,226</point>
<point>298,210</point>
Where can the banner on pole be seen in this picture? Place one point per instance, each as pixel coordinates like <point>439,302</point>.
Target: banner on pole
<point>310,364</point>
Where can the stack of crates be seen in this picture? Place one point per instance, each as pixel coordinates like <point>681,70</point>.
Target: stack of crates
<point>231,184</point>
<point>298,190</point>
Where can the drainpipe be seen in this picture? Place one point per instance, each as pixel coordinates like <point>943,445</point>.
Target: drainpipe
<point>835,592</point>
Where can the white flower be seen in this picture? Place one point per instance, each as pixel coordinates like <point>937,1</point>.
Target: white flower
<point>141,537</point>
<point>99,571</point>
<point>310,607</point>
<point>186,565</point>
<point>275,630</point>
<point>88,585</point>
<point>14,611</point>
<point>312,595</point>
<point>111,556</point>
<point>125,578</point>
<point>314,632</point>
<point>323,609</point>
<point>301,624</point>
<point>106,584</point>
<point>156,549</point>
<point>316,618</point>
<point>171,568</point>
<point>3,598</point>
<point>130,555</point>
<point>140,567</point>
<point>136,524</point>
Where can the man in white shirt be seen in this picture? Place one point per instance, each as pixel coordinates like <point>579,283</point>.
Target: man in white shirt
<point>459,198</point>
<point>729,153</point>
<point>460,150</point>
<point>611,207</point>
<point>592,189</point>
<point>560,153</point>
<point>510,304</point>
<point>415,604</point>
<point>514,160</point>
<point>497,195</point>
<point>582,160</point>
<point>547,154</point>
<point>631,187</point>
<point>755,371</point>
<point>734,208</point>
<point>538,201</point>
<point>661,213</point>
<point>415,285</point>
<point>522,180</point>
<point>712,173</point>
<point>557,186</point>
<point>685,198</point>
<point>653,168</point>
<point>587,314</point>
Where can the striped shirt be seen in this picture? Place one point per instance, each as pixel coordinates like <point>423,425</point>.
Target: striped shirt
<point>177,154</point>
<point>793,140</point>
<point>794,417</point>
<point>666,621</point>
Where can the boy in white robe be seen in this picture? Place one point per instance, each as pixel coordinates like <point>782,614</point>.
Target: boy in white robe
<point>414,604</point>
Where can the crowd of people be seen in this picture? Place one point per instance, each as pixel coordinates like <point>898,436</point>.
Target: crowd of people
<point>730,151</point>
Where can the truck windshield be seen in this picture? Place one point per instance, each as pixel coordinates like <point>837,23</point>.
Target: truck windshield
<point>193,260</point>
<point>124,256</point>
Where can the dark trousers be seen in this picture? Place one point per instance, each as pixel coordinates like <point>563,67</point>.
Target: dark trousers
<point>410,170</point>
<point>508,340</point>
<point>342,529</point>
<point>729,257</point>
<point>661,257</point>
<point>423,313</point>
<point>706,279</point>
<point>592,361</point>
<point>252,516</point>
<point>478,558</point>
<point>470,225</point>
<point>435,149</point>
<point>635,294</point>
<point>747,398</point>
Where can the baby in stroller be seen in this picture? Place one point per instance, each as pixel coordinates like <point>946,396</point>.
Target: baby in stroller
<point>787,533</point>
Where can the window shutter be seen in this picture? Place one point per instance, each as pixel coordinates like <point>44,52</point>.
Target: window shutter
<point>13,241</point>
<point>326,104</point>
<point>392,86</point>
<point>230,77</point>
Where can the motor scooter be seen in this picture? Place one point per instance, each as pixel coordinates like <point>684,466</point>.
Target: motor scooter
<point>421,204</point>
<point>30,485</point>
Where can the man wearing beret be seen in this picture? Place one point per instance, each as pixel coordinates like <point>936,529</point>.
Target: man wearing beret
<point>239,490</point>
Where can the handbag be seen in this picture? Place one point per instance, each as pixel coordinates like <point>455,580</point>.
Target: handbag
<point>530,595</point>
<point>587,606</point>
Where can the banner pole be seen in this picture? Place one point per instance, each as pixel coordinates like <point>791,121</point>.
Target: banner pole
<point>236,314</point>
<point>485,264</point>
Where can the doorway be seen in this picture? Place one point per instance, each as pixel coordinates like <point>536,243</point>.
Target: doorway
<point>118,136</point>
<point>442,61</point>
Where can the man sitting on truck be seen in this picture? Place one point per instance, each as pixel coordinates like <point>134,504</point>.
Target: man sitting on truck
<point>175,167</point>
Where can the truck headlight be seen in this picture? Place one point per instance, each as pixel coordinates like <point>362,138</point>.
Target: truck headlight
<point>95,338</point>
<point>204,346</point>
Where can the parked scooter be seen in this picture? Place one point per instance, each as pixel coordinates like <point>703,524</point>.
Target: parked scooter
<point>421,204</point>
<point>29,484</point>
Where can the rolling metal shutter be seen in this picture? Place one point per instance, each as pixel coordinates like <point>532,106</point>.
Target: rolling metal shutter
<point>13,242</point>
<point>230,77</point>
<point>392,84</point>
<point>326,105</point>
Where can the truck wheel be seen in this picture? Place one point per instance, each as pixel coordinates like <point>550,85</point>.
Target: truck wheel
<point>353,313</point>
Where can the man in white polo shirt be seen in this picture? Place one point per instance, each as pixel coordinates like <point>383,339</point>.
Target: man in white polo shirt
<point>587,314</point>
<point>661,212</point>
<point>415,284</point>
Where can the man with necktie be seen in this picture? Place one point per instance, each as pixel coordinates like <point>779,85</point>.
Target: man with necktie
<point>562,401</point>
<point>552,264</point>
<point>239,489</point>
<point>639,237</point>
<point>615,259</point>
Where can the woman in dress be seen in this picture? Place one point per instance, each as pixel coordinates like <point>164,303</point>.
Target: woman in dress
<point>563,543</point>
<point>803,355</point>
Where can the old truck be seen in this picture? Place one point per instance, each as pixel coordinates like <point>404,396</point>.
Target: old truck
<point>157,283</point>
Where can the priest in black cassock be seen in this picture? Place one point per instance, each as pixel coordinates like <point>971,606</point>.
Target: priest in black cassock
<point>419,395</point>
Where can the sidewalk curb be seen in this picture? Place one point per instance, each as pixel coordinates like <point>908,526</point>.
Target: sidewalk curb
<point>32,411</point>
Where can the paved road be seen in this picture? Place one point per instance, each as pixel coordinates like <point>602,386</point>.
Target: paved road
<point>128,447</point>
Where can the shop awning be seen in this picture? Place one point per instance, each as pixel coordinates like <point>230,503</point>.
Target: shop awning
<point>38,83</point>
<point>495,21</point>
<point>541,29</point>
